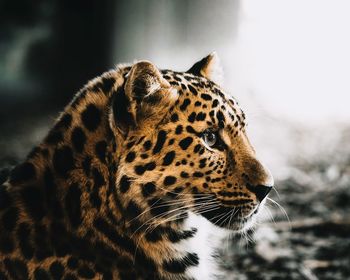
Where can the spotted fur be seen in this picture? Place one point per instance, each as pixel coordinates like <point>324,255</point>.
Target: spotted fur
<point>110,192</point>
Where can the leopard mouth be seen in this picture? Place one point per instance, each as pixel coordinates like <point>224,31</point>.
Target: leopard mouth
<point>232,218</point>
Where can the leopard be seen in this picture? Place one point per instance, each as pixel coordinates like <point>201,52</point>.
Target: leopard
<point>114,189</point>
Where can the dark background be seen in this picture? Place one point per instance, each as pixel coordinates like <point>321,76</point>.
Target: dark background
<point>51,49</point>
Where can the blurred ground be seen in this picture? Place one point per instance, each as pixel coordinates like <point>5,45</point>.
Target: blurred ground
<point>314,243</point>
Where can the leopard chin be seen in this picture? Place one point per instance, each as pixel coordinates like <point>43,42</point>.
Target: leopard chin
<point>233,219</point>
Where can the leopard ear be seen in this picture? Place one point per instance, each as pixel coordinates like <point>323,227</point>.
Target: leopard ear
<point>209,67</point>
<point>144,94</point>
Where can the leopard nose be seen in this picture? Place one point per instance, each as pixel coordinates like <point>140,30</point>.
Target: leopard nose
<point>262,191</point>
<point>260,184</point>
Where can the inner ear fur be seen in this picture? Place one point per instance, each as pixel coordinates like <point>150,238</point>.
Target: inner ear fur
<point>144,79</point>
<point>143,97</point>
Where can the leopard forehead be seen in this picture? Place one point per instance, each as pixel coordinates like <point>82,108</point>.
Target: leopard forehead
<point>199,97</point>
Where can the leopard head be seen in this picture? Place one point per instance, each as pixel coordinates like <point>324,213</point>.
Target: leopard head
<point>182,146</point>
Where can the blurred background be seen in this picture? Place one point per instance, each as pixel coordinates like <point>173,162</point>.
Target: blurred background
<point>287,63</point>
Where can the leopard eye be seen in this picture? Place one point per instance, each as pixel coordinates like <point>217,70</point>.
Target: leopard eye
<point>210,137</point>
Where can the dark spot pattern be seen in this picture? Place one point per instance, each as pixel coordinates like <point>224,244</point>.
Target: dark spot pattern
<point>206,97</point>
<point>168,158</point>
<point>154,235</point>
<point>177,236</point>
<point>190,129</point>
<point>101,150</point>
<point>22,173</point>
<point>63,160</point>
<point>108,230</point>
<point>158,206</point>
<point>43,247</point>
<point>50,194</point>
<point>5,198</point>
<point>184,174</point>
<point>78,138</point>
<point>179,129</point>
<point>174,117</point>
<point>85,272</point>
<point>201,116</point>
<point>72,263</point>
<point>169,180</point>
<point>91,117</point>
<point>6,243</point>
<point>221,118</point>
<point>185,143</point>
<point>148,189</point>
<point>56,270</point>
<point>23,234</point>
<point>70,276</point>
<point>16,269</point>
<point>9,218</point>
<point>98,182</point>
<point>193,90</point>
<point>41,274</point>
<point>72,204</point>
<point>130,144</point>
<point>161,137</point>
<point>64,122</point>
<point>86,164</point>
<point>33,200</point>
<point>107,84</point>
<point>192,117</point>
<point>147,145</point>
<point>198,174</point>
<point>180,265</point>
<point>185,104</point>
<point>130,157</point>
<point>197,148</point>
<point>124,184</point>
<point>54,137</point>
<point>132,210</point>
<point>141,169</point>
